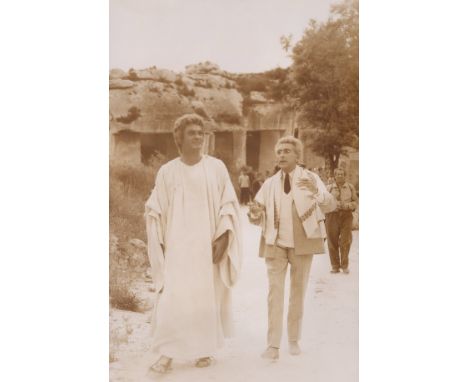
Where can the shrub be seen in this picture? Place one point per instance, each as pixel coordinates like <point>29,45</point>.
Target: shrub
<point>121,279</point>
<point>130,186</point>
<point>253,82</point>
<point>132,75</point>
<point>228,118</point>
<point>247,104</point>
<point>185,91</point>
<point>205,83</point>
<point>132,115</point>
<point>179,81</point>
<point>277,74</point>
<point>122,297</point>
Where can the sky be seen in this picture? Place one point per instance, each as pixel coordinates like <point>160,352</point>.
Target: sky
<point>239,35</point>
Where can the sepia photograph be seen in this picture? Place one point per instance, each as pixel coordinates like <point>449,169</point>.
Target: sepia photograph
<point>233,190</point>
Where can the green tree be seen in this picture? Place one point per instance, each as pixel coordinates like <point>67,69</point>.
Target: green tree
<point>325,82</point>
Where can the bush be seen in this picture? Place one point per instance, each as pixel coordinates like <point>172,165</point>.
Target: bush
<point>185,91</point>
<point>121,278</point>
<point>130,186</point>
<point>132,75</point>
<point>228,118</point>
<point>247,104</point>
<point>253,82</point>
<point>277,74</point>
<point>179,81</point>
<point>132,115</point>
<point>122,297</point>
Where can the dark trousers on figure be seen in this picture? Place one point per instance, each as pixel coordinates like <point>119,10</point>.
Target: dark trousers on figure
<point>245,195</point>
<point>339,237</point>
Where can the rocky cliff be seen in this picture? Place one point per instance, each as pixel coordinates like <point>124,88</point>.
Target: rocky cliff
<point>150,100</point>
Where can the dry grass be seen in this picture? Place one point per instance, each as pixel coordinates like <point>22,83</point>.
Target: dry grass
<point>121,279</point>
<point>130,187</point>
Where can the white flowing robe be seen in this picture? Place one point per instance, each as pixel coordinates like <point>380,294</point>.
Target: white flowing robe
<point>188,209</point>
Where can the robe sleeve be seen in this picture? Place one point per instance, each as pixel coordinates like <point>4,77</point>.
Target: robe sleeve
<point>155,215</point>
<point>228,220</point>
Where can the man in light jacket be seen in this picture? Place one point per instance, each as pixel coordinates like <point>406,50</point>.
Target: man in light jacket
<point>290,208</point>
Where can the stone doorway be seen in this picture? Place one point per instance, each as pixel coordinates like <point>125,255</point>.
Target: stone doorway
<point>162,143</point>
<point>224,147</point>
<point>253,149</point>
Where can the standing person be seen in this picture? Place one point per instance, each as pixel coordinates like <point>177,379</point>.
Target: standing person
<point>290,208</point>
<point>192,223</point>
<point>257,183</point>
<point>244,184</point>
<point>339,223</point>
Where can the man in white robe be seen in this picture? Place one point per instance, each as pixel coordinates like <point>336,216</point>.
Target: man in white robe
<point>192,219</point>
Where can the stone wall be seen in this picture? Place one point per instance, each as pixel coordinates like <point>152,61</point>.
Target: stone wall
<point>125,146</point>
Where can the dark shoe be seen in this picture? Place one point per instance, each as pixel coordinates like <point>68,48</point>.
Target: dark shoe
<point>334,270</point>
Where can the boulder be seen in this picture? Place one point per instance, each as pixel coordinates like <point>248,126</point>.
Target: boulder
<point>116,74</point>
<point>156,87</point>
<point>162,75</point>
<point>120,84</point>
<point>208,80</point>
<point>199,108</point>
<point>203,67</point>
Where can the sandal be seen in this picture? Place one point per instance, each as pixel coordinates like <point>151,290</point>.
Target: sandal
<point>203,362</point>
<point>162,366</point>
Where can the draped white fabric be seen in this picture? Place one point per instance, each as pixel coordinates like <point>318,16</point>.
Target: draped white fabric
<point>188,209</point>
<point>305,202</point>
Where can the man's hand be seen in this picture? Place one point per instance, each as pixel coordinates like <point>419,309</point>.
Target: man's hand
<point>307,183</point>
<point>341,205</point>
<point>255,209</point>
<point>255,212</point>
<point>219,247</point>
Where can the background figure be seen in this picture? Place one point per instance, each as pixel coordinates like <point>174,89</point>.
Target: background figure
<point>290,208</point>
<point>192,220</point>
<point>244,184</point>
<point>257,183</point>
<point>339,223</point>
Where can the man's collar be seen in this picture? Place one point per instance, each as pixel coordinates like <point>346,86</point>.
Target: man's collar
<point>291,173</point>
<point>336,184</point>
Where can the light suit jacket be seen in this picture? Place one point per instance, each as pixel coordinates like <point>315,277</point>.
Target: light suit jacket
<point>302,244</point>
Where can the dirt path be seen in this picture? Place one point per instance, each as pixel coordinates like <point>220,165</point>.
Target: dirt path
<point>330,331</point>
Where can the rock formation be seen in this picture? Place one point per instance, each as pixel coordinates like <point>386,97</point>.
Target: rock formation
<point>243,125</point>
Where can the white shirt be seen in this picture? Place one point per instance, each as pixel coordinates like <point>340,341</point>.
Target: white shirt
<point>244,181</point>
<point>285,230</point>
